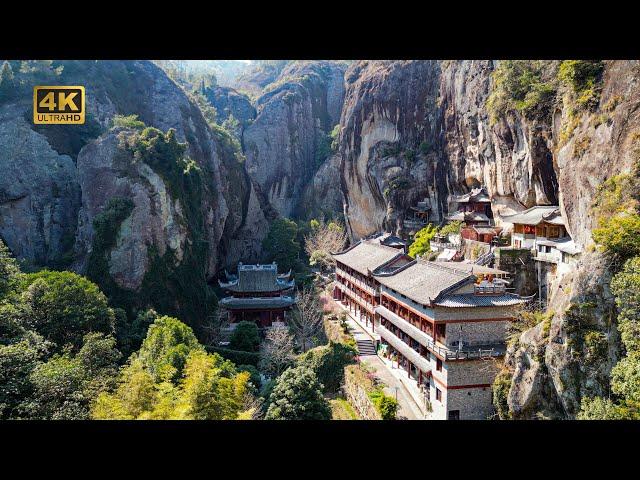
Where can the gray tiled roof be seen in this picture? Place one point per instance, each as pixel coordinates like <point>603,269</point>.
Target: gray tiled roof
<point>257,278</point>
<point>424,281</point>
<point>563,244</point>
<point>256,303</point>
<point>469,217</point>
<point>473,268</point>
<point>535,215</point>
<point>471,300</point>
<point>367,255</point>
<point>475,195</point>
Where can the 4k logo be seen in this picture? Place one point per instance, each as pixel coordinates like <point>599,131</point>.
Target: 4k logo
<point>58,105</point>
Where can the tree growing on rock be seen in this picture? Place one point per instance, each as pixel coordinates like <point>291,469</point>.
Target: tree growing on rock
<point>625,376</point>
<point>422,241</point>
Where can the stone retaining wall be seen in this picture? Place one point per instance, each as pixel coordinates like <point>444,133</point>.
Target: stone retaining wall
<point>356,393</point>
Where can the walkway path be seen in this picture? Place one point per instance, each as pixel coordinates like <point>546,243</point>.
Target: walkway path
<point>408,410</point>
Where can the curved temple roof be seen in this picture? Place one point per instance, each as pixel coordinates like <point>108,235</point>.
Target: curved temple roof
<point>257,278</point>
<point>535,215</point>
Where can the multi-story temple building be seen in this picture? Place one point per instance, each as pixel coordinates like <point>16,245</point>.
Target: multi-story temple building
<point>443,325</point>
<point>258,293</point>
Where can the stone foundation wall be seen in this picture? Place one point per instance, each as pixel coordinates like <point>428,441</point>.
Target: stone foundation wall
<point>476,333</point>
<point>473,403</point>
<point>356,393</point>
<point>471,372</point>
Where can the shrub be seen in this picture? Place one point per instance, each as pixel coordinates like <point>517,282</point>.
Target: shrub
<point>619,235</point>
<point>328,362</point>
<point>254,378</point>
<point>451,228</point>
<point>422,241</point>
<point>386,406</point>
<point>501,386</point>
<point>130,121</point>
<point>245,337</point>
<point>297,395</point>
<point>239,357</point>
<point>583,76</point>
<point>519,85</point>
<point>425,147</point>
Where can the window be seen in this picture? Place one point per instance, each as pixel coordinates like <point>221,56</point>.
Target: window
<point>438,394</point>
<point>454,414</point>
<point>438,365</point>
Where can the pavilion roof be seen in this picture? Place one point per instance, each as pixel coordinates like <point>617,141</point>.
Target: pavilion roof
<point>258,278</point>
<point>238,303</point>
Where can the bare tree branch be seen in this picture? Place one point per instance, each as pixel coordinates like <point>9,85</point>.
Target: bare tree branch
<point>324,239</point>
<point>306,320</point>
<point>276,351</point>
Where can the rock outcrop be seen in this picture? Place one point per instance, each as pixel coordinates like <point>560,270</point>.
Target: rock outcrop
<point>39,193</point>
<point>58,180</point>
<point>229,102</point>
<point>288,141</point>
<point>390,143</point>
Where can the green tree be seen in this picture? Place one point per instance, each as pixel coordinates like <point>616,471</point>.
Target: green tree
<point>65,385</point>
<point>206,393</point>
<point>9,271</point>
<point>171,377</point>
<point>328,362</point>
<point>519,85</point>
<point>297,395</point>
<point>17,361</point>
<point>280,243</point>
<point>166,347</point>
<point>583,76</point>
<point>64,306</point>
<point>245,337</point>
<point>421,241</point>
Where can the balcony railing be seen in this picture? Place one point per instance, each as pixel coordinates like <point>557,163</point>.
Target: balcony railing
<point>356,297</point>
<point>466,353</point>
<point>546,257</point>
<point>356,281</point>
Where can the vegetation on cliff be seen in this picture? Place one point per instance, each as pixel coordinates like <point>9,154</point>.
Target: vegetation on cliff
<point>618,234</point>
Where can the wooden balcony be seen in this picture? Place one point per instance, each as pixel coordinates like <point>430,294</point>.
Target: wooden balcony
<point>357,281</point>
<point>466,353</point>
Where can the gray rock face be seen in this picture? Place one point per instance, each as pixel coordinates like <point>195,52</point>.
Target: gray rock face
<point>284,144</point>
<point>513,158</point>
<point>323,196</point>
<point>156,219</point>
<point>432,117</point>
<point>228,101</point>
<point>389,113</point>
<point>39,193</point>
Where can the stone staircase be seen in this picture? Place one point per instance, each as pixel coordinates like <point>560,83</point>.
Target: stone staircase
<point>365,347</point>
